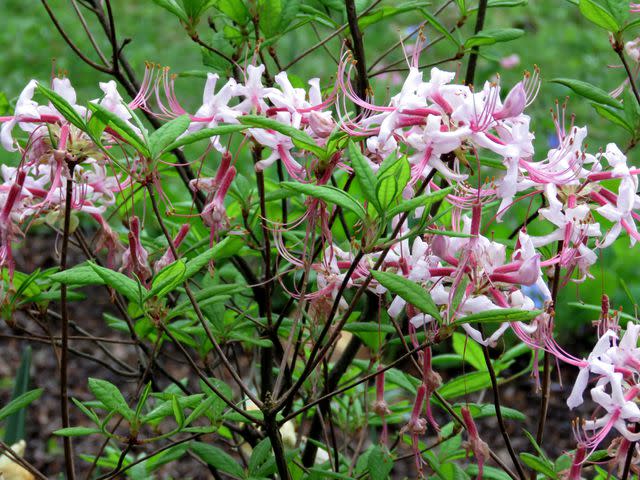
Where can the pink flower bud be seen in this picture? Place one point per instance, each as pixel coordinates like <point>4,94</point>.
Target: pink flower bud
<point>514,103</point>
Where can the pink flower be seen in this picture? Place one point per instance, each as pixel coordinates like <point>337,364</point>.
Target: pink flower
<point>474,443</point>
<point>134,259</point>
<point>510,61</point>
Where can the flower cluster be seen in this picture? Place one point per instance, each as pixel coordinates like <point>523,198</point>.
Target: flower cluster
<point>436,127</point>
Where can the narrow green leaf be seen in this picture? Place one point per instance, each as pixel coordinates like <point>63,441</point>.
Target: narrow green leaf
<point>328,194</point>
<point>173,7</point>
<point>167,134</point>
<point>20,402</point>
<point>143,399</point>
<point>392,181</point>
<point>120,128</point>
<point>499,315</point>
<point>435,23</point>
<point>178,414</point>
<point>469,350</point>
<point>364,175</point>
<point>217,458</point>
<point>167,279</point>
<point>491,36</point>
<point>80,275</point>
<point>118,281</point>
<point>64,107</point>
<point>109,395</point>
<point>226,248</point>
<point>538,464</point>
<point>368,327</point>
<point>409,291</point>
<point>597,14</point>
<point>202,134</point>
<point>76,431</point>
<point>299,138</point>
<point>200,410</point>
<point>613,116</point>
<point>506,3</point>
<point>464,384</point>
<point>589,91</point>
<point>425,200</point>
<point>15,429</point>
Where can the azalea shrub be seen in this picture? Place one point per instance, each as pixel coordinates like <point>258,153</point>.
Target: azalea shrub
<point>331,277</point>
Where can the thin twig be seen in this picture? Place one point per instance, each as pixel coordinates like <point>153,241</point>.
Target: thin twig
<point>64,344</point>
<point>72,45</point>
<point>498,408</point>
<point>335,33</point>
<point>473,57</point>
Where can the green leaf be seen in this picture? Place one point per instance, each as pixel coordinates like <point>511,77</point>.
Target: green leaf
<point>598,308</point>
<point>379,463</point>
<point>118,281</point>
<point>499,315</point>
<point>619,9</point>
<point>167,407</point>
<point>235,10</point>
<point>300,139</point>
<point>364,175</point>
<point>488,473</point>
<point>15,428</point>
<point>506,3</point>
<point>109,395</point>
<point>202,134</point>
<point>64,107</point>
<point>469,350</point>
<point>178,414</point>
<point>173,7</point>
<point>464,384</point>
<point>20,402</point>
<point>217,458</point>
<point>491,36</point>
<point>612,115</point>
<point>259,456</point>
<point>386,11</point>
<point>409,291</point>
<point>22,283</point>
<point>269,12</point>
<point>53,295</point>
<point>392,181</point>
<point>143,399</point>
<point>597,14</point>
<point>435,23</point>
<point>589,91</point>
<point>167,134</point>
<point>489,410</point>
<point>195,8</point>
<point>425,200</point>
<point>121,128</point>
<point>538,464</point>
<point>5,108</point>
<point>201,409</point>
<point>328,194</point>
<point>77,431</point>
<point>167,279</point>
<point>80,275</point>
<point>226,248</point>
<point>368,327</point>
<point>462,7</point>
